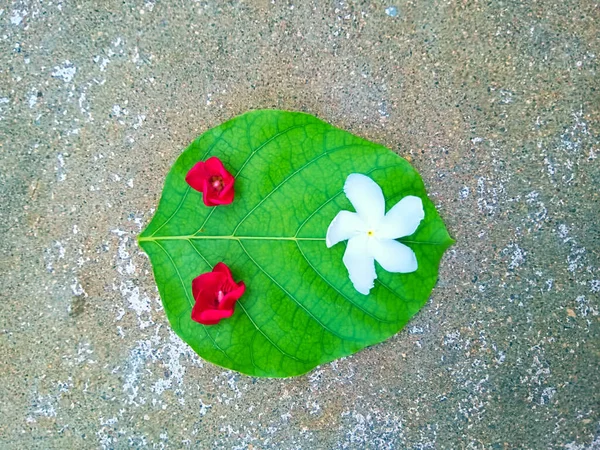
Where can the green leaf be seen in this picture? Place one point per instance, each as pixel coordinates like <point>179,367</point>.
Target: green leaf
<point>300,308</point>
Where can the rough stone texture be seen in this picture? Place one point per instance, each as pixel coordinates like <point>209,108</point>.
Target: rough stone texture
<point>495,103</point>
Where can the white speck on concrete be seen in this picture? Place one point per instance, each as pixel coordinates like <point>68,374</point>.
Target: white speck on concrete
<point>576,257</point>
<point>139,303</point>
<point>45,406</point>
<point>77,289</point>
<point>391,11</point>
<point>518,256</point>
<point>584,307</point>
<point>204,408</point>
<point>489,191</point>
<point>563,232</point>
<point>138,357</point>
<point>66,72</point>
<point>451,338</point>
<point>103,64</point>
<point>32,100</point>
<point>506,96</point>
<point>383,112</point>
<point>105,434</point>
<point>550,167</point>
<point>116,110</point>
<point>594,445</point>
<point>61,249</point>
<point>61,173</point>
<point>547,395</point>
<point>126,265</point>
<point>135,58</point>
<point>17,17</point>
<point>172,352</point>
<point>140,120</point>
<point>572,138</point>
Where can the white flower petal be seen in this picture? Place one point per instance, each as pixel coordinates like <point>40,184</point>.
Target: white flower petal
<point>366,197</point>
<point>344,226</point>
<point>393,256</point>
<point>360,264</point>
<point>403,219</point>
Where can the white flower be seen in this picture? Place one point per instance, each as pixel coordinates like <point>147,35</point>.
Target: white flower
<point>372,234</point>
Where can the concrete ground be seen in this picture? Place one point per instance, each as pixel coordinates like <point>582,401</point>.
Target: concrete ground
<point>497,105</point>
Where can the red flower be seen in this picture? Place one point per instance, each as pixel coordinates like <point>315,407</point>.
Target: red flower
<point>215,294</point>
<point>213,180</point>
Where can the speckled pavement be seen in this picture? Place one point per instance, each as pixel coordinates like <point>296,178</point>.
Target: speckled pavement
<point>496,104</point>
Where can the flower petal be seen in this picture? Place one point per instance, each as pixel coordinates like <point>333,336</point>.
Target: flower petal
<point>197,176</point>
<point>344,226</point>
<point>229,300</point>
<point>211,316</point>
<point>202,177</point>
<point>204,287</point>
<point>215,294</point>
<point>226,195</point>
<point>214,166</point>
<point>393,256</point>
<point>223,268</point>
<point>403,219</point>
<point>366,197</point>
<point>360,264</point>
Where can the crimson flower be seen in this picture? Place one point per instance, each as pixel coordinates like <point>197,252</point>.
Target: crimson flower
<point>214,181</point>
<point>215,294</point>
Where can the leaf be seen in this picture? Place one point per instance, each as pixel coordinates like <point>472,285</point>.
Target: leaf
<point>300,308</point>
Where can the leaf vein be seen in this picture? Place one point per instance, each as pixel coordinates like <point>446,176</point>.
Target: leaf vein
<point>187,190</point>
<point>288,293</point>
<point>283,352</point>
<point>329,200</point>
<point>190,302</point>
<point>276,188</point>
<point>245,163</point>
<point>368,313</point>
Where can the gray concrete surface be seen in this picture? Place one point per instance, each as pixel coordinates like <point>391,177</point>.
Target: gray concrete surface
<point>495,103</point>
